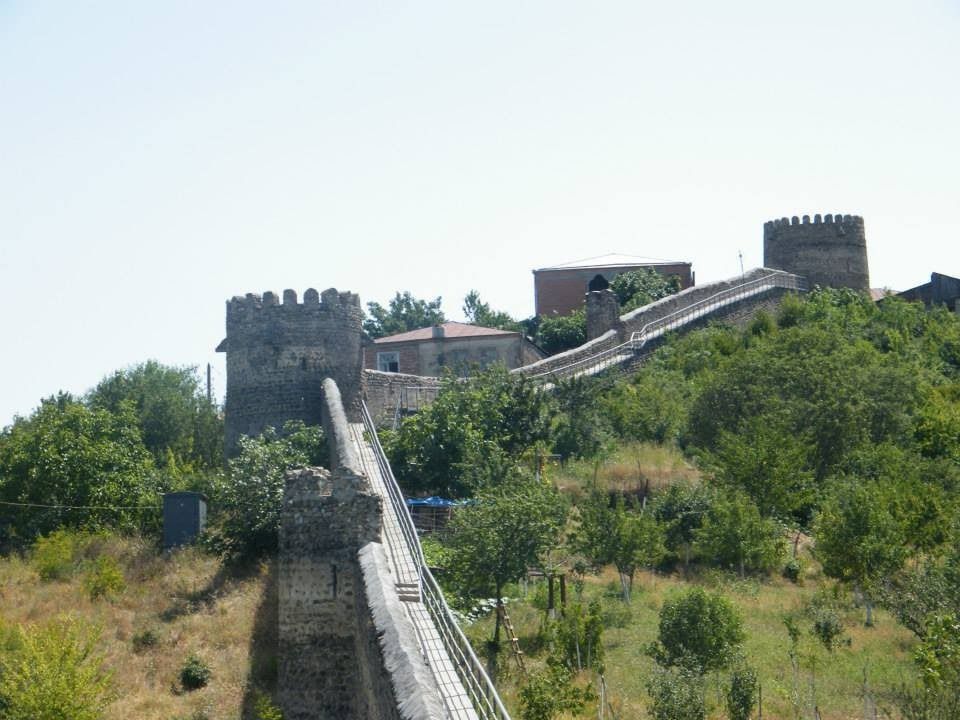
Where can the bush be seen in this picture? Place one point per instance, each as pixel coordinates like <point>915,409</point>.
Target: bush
<point>699,631</point>
<point>551,691</point>
<point>828,627</point>
<point>195,673</point>
<point>144,640</point>
<point>54,557</point>
<point>265,709</point>
<point>676,694</point>
<point>742,693</point>
<point>793,570</point>
<point>104,578</point>
<point>54,674</point>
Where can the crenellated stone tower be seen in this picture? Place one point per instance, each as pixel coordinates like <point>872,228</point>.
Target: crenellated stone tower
<point>829,251</point>
<point>278,354</point>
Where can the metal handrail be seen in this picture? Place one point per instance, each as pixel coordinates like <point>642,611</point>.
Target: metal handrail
<point>476,681</point>
<point>776,278</point>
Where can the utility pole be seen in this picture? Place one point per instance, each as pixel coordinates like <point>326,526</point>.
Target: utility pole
<point>209,387</point>
<point>740,255</point>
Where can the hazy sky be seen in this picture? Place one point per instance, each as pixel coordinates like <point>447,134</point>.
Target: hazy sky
<point>158,158</point>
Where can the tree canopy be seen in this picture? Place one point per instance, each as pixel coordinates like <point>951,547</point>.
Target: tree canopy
<point>404,312</point>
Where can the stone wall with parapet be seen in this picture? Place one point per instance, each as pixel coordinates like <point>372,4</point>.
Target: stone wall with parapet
<point>608,340</point>
<point>381,391</point>
<point>347,650</point>
<point>279,352</point>
<point>830,250</point>
<point>635,320</point>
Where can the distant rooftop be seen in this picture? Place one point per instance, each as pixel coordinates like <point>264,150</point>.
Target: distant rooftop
<point>451,329</point>
<point>611,260</point>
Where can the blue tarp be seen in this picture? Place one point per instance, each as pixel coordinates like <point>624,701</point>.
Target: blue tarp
<point>432,502</point>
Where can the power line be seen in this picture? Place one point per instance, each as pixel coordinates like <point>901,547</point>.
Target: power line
<point>82,507</point>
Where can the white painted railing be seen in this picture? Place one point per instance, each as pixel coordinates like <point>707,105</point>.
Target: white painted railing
<point>615,356</point>
<point>482,692</point>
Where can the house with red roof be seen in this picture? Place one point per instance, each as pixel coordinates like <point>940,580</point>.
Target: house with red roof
<point>456,346</point>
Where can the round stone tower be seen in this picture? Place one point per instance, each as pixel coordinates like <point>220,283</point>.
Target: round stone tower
<point>829,250</point>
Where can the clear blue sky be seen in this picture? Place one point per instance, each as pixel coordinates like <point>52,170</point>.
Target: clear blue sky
<point>158,158</point>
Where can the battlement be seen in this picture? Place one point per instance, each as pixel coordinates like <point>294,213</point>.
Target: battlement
<point>775,226</point>
<point>331,300</point>
<point>829,250</point>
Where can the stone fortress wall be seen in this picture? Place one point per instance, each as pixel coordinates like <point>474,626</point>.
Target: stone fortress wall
<point>347,650</point>
<point>830,250</point>
<point>278,353</point>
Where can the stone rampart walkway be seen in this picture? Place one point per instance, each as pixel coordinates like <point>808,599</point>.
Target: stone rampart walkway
<point>405,568</point>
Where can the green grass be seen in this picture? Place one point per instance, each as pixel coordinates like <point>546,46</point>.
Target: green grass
<point>834,681</point>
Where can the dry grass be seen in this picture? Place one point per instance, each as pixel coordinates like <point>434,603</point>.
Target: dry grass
<point>634,468</point>
<point>190,602</point>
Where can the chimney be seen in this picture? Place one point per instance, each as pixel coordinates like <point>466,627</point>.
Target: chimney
<point>437,331</point>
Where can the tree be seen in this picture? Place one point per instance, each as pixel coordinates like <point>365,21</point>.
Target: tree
<point>742,693</point>
<point>173,413</point>
<point>612,534</point>
<point>472,420</point>
<point>699,631</point>
<point>637,288</point>
<point>494,540</point>
<point>88,465</point>
<point>858,540</point>
<point>250,500</point>
<point>680,509</point>
<point>405,312</point>
<point>562,332</point>
<point>733,534</point>
<point>580,429</point>
<point>479,313</point>
<point>770,464</point>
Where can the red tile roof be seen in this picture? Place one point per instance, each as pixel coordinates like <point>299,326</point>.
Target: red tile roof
<point>450,330</point>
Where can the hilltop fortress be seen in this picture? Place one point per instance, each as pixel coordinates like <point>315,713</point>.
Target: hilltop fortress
<point>279,352</point>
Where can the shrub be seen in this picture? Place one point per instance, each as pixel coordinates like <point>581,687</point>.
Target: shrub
<point>144,640</point>
<point>104,578</point>
<point>265,709</point>
<point>793,570</point>
<point>742,693</point>
<point>676,694</point>
<point>828,627</point>
<point>54,674</point>
<point>195,673</point>
<point>698,630</point>
<point>550,692</point>
<point>54,557</point>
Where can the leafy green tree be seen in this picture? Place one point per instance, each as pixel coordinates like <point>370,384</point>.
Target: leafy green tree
<point>495,413</point>
<point>172,412</point>
<point>494,540</point>
<point>562,332</point>
<point>580,429</point>
<point>637,288</point>
<point>698,630</point>
<point>88,465</point>
<point>928,589</point>
<point>578,637</point>
<point>770,464</point>
<point>938,655</point>
<point>858,540</point>
<point>251,497</point>
<point>610,534</point>
<point>405,312</point>
<point>734,535</point>
<point>479,313</point>
<point>55,673</point>
<point>680,509</point>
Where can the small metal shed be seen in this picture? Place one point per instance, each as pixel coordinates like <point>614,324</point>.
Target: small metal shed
<point>184,517</point>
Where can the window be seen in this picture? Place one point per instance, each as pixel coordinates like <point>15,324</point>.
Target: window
<point>388,361</point>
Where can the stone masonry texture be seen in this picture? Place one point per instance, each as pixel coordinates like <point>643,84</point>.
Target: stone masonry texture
<point>279,353</point>
<point>830,251</point>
